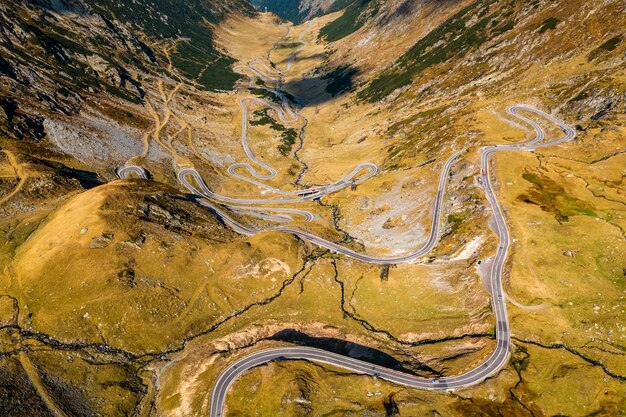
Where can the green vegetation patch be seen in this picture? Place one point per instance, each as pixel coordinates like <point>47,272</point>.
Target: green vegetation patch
<point>341,80</point>
<point>263,118</point>
<point>611,44</point>
<point>288,139</point>
<point>355,15</point>
<point>607,46</point>
<point>262,92</point>
<point>288,136</point>
<point>552,198</point>
<point>122,93</point>
<point>451,39</point>
<point>457,219</point>
<point>288,45</point>
<point>549,24</point>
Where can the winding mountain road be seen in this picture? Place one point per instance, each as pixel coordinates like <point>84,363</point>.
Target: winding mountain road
<point>191,179</point>
<point>125,172</point>
<point>499,357</point>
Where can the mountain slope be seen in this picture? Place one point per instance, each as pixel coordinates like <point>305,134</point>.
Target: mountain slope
<point>299,11</point>
<point>414,82</point>
<point>130,296</point>
<point>76,82</point>
<point>488,30</point>
<point>69,52</point>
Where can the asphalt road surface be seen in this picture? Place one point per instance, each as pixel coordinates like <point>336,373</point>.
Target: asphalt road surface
<point>125,172</point>
<point>258,170</point>
<point>499,357</point>
<point>223,205</point>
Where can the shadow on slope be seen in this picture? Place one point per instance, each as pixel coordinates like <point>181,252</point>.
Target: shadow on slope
<point>343,347</point>
<point>284,61</point>
<point>313,91</point>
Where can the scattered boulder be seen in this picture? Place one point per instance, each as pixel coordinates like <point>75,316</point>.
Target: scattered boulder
<point>101,242</point>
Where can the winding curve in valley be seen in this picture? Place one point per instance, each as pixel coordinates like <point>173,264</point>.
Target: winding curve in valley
<point>192,180</point>
<point>500,355</point>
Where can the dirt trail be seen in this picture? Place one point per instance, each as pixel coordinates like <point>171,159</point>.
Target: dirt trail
<point>20,173</point>
<point>187,126</point>
<point>161,122</point>
<point>43,392</point>
<point>523,306</point>
<point>192,302</point>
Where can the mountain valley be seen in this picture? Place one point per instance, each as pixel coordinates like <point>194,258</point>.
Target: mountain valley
<point>416,188</point>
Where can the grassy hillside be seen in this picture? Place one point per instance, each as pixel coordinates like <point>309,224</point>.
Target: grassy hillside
<point>195,58</point>
<point>128,298</point>
<point>287,9</point>
<point>356,14</point>
<point>481,29</point>
<point>68,51</point>
<point>466,30</point>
